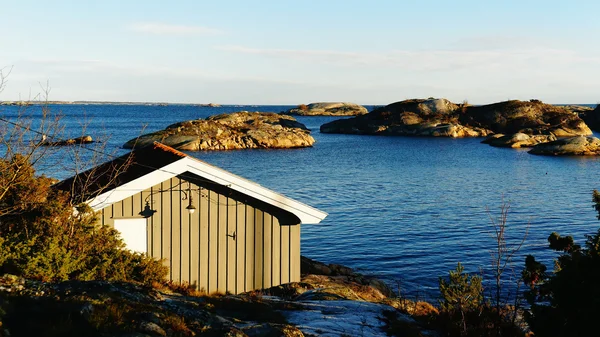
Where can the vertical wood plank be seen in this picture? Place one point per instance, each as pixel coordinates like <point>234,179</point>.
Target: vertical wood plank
<point>155,222</point>
<point>276,255</point>
<point>250,249</point>
<point>259,273</point>
<point>295,253</point>
<point>204,236</point>
<point>195,239</point>
<point>231,246</point>
<point>117,209</point>
<point>185,236</point>
<point>285,254</point>
<point>213,198</point>
<point>163,203</point>
<point>222,242</point>
<point>175,224</point>
<point>240,248</point>
<point>267,253</point>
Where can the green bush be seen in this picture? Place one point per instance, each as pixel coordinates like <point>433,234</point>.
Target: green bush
<point>43,237</point>
<point>566,302</point>
<point>462,292</point>
<point>462,302</point>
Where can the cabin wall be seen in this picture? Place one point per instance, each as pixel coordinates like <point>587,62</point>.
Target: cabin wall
<point>201,248</point>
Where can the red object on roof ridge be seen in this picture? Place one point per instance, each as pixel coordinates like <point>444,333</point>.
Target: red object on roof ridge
<point>167,148</point>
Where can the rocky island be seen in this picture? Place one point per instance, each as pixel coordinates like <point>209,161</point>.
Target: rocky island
<point>442,118</point>
<point>239,130</point>
<point>327,109</point>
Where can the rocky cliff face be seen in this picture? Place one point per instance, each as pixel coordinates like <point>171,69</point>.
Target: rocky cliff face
<point>239,130</point>
<point>328,109</point>
<point>442,118</point>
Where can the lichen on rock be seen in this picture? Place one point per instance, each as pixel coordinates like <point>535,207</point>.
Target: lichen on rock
<point>442,118</point>
<point>239,130</point>
<point>327,109</point>
<point>572,146</point>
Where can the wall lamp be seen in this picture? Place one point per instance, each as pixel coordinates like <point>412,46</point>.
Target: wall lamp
<point>148,211</point>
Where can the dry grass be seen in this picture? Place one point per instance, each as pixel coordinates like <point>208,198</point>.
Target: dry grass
<point>178,325</point>
<point>183,288</point>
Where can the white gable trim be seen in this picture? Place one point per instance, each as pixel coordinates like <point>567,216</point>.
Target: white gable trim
<point>306,214</point>
<point>135,186</point>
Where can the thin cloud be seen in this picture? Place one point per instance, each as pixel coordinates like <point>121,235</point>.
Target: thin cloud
<point>156,28</point>
<point>426,60</point>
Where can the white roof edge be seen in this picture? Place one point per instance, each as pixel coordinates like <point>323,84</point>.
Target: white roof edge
<point>135,186</point>
<point>306,214</point>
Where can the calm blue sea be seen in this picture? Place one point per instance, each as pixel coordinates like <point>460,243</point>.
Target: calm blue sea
<point>403,209</point>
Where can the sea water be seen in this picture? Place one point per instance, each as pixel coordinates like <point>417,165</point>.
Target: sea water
<point>400,208</point>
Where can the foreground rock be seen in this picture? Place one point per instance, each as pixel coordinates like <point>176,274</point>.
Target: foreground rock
<point>573,146</point>
<point>239,130</point>
<point>328,109</point>
<point>98,308</point>
<point>442,118</point>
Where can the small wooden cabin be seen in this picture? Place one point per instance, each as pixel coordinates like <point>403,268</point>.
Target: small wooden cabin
<point>214,230</point>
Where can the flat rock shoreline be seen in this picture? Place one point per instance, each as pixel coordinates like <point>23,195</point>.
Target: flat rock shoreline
<point>330,299</point>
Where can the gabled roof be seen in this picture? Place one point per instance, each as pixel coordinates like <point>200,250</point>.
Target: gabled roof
<point>145,167</point>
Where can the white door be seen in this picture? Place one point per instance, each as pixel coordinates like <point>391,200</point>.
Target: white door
<point>133,232</point>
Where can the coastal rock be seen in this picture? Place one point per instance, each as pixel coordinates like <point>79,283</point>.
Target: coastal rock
<point>340,287</point>
<point>272,329</point>
<point>442,118</point>
<point>414,117</point>
<point>577,109</point>
<point>239,130</point>
<point>517,140</point>
<point>320,275</point>
<point>529,117</point>
<point>91,308</point>
<point>71,141</point>
<point>573,146</point>
<point>328,109</point>
<point>591,117</point>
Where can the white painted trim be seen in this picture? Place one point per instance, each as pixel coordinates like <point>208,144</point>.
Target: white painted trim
<point>306,214</point>
<point>135,186</point>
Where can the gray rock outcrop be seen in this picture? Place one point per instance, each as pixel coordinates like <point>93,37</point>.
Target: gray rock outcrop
<point>442,118</point>
<point>414,117</point>
<point>572,146</point>
<point>328,109</point>
<point>517,140</point>
<point>239,130</point>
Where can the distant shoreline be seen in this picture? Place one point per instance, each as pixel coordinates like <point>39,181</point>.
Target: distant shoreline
<point>28,103</point>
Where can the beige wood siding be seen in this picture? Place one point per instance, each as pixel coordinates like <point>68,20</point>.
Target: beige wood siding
<point>201,248</point>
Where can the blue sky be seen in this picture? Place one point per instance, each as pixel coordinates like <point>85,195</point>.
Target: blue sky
<point>291,52</point>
